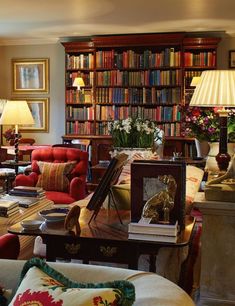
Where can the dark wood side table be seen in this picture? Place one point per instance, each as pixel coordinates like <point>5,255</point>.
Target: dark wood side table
<point>105,239</point>
<point>14,165</point>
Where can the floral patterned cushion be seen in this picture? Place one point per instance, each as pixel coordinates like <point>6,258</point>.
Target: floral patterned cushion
<point>54,175</point>
<point>42,285</point>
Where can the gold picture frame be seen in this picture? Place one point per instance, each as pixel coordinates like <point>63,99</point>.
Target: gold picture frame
<point>40,110</point>
<point>30,75</point>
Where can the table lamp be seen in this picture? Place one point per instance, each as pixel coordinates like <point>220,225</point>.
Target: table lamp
<point>216,88</point>
<point>195,81</point>
<point>16,113</point>
<point>78,82</point>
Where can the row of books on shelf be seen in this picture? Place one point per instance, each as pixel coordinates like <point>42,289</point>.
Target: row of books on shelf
<point>139,95</point>
<point>79,96</point>
<point>160,232</point>
<point>79,113</point>
<point>159,113</point>
<point>132,59</point>
<point>201,58</point>
<point>81,61</point>
<point>138,78</point>
<point>81,128</point>
<point>87,77</point>
<point>101,128</point>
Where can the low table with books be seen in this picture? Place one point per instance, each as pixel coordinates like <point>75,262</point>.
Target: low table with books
<point>20,196</point>
<point>13,212</point>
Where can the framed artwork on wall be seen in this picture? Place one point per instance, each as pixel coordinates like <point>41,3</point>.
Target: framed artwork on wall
<point>232,59</point>
<point>30,76</point>
<point>40,110</point>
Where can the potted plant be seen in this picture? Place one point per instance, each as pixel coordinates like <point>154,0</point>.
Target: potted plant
<point>134,133</point>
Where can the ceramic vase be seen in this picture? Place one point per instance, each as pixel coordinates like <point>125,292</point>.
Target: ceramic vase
<point>211,163</point>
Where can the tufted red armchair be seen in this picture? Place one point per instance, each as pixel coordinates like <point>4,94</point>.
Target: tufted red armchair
<point>76,189</point>
<point>9,246</point>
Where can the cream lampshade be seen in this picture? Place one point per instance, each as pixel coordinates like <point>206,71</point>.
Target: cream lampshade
<point>78,82</point>
<point>195,81</point>
<point>16,113</point>
<point>216,88</point>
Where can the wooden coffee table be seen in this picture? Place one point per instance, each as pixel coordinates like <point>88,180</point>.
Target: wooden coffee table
<point>105,239</point>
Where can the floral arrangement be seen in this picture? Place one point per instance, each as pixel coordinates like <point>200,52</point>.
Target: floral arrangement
<point>203,123</point>
<point>10,134</point>
<point>133,132</point>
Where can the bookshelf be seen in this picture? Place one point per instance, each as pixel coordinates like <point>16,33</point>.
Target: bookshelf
<point>199,54</point>
<point>128,75</point>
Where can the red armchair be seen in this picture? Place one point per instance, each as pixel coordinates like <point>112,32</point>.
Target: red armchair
<point>51,157</point>
<point>9,246</point>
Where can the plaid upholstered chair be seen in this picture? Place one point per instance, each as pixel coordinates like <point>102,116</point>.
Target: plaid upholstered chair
<point>61,172</point>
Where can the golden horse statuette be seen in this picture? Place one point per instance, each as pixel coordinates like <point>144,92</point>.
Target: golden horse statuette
<point>162,201</point>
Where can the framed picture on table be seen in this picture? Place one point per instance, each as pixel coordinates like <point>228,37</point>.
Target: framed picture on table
<point>149,179</point>
<point>39,108</point>
<point>30,76</point>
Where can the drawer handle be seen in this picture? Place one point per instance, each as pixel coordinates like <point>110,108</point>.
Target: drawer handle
<point>108,251</point>
<point>72,248</point>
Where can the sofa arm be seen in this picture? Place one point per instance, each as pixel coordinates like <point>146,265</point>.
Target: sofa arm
<point>26,180</point>
<point>77,188</point>
<point>9,246</point>
<point>150,288</point>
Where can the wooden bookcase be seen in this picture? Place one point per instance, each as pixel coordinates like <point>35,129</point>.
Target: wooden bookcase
<point>126,75</point>
<point>199,54</point>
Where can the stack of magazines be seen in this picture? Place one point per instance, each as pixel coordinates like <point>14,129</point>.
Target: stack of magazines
<point>160,232</point>
<point>8,207</point>
<point>26,196</point>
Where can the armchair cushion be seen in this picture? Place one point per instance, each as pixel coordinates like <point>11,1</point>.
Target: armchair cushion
<point>54,176</point>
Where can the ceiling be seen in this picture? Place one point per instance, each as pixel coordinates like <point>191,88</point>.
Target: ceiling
<point>47,21</point>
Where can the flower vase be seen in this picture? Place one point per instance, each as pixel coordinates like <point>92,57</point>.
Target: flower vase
<point>202,148</point>
<point>145,153</point>
<point>211,163</point>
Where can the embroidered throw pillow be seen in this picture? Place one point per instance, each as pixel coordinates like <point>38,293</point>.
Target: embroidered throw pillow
<point>43,285</point>
<point>54,175</point>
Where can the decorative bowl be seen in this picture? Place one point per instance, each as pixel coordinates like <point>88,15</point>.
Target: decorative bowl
<point>31,224</point>
<point>54,214</point>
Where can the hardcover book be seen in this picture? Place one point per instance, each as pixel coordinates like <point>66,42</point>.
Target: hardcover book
<point>6,204</point>
<point>155,229</point>
<point>152,237</point>
<point>23,201</point>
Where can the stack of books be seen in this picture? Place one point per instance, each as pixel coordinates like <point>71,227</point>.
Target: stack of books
<point>8,208</point>
<point>26,196</point>
<point>159,232</point>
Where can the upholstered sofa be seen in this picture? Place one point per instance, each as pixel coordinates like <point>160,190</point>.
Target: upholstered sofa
<point>60,171</point>
<point>150,289</point>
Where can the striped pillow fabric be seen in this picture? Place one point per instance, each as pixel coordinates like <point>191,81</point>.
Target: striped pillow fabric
<point>53,176</point>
